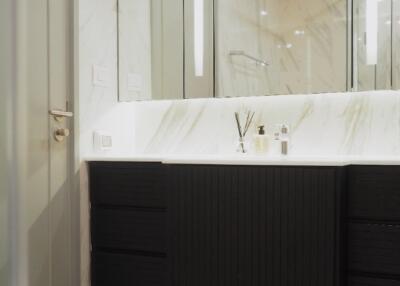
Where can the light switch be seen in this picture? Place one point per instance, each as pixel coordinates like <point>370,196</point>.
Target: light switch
<point>101,76</point>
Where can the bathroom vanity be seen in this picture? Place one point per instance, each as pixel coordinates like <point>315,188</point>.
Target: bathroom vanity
<point>241,222</point>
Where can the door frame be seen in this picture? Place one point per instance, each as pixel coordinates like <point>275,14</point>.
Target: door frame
<point>75,152</point>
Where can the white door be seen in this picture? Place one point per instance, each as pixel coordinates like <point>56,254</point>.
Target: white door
<point>44,87</point>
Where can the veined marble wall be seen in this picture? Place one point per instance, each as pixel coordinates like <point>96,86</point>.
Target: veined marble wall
<point>304,42</point>
<point>365,123</point>
<point>98,105</point>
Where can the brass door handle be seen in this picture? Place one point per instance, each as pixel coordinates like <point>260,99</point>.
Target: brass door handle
<point>59,115</point>
<point>61,133</point>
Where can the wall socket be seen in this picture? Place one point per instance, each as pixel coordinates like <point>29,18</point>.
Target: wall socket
<point>102,141</point>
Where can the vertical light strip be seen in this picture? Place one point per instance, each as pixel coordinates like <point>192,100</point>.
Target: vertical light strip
<point>199,37</point>
<point>372,31</point>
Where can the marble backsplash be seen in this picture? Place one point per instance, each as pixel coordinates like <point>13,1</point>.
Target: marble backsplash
<point>321,125</point>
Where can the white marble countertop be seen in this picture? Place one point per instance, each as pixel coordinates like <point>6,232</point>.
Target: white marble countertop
<point>256,160</point>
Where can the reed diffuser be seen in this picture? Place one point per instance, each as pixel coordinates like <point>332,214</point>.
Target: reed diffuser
<point>243,130</point>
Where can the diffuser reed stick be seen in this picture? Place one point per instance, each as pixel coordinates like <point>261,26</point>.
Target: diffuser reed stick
<point>242,132</point>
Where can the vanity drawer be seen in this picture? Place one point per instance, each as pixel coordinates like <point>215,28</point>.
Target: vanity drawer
<point>111,269</point>
<point>374,248</point>
<point>367,281</point>
<point>374,192</point>
<point>127,184</point>
<point>138,230</point>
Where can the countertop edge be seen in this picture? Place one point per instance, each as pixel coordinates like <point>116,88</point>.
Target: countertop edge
<point>257,161</point>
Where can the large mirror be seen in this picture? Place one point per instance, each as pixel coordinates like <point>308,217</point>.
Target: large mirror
<point>176,49</point>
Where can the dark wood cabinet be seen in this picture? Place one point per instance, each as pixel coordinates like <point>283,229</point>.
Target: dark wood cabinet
<point>195,225</point>
<point>130,229</point>
<point>372,281</point>
<point>373,225</point>
<point>374,248</point>
<point>125,269</point>
<point>374,193</point>
<point>128,184</point>
<point>234,225</point>
<point>128,224</point>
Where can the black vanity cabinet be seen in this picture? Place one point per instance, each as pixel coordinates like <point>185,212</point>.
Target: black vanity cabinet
<point>196,225</point>
<point>248,225</point>
<point>373,222</point>
<point>128,224</point>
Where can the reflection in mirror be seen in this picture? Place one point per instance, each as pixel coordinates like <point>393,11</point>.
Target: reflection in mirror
<point>372,44</point>
<point>396,45</point>
<point>150,49</point>
<point>303,42</point>
<point>199,48</point>
<point>166,49</point>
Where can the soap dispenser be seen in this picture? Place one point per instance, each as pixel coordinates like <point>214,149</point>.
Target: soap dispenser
<point>261,141</point>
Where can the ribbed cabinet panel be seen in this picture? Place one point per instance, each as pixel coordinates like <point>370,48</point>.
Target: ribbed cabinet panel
<point>129,229</point>
<point>253,226</point>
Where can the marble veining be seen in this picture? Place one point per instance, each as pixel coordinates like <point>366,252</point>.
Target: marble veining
<point>365,123</point>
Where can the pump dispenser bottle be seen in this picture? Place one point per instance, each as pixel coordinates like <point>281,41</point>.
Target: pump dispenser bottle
<point>261,141</point>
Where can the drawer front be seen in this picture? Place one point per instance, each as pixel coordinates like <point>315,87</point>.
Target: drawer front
<point>367,281</point>
<point>126,270</point>
<point>374,192</point>
<point>138,230</point>
<point>374,248</point>
<point>127,184</point>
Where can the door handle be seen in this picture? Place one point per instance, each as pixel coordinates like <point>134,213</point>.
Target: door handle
<point>59,115</point>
